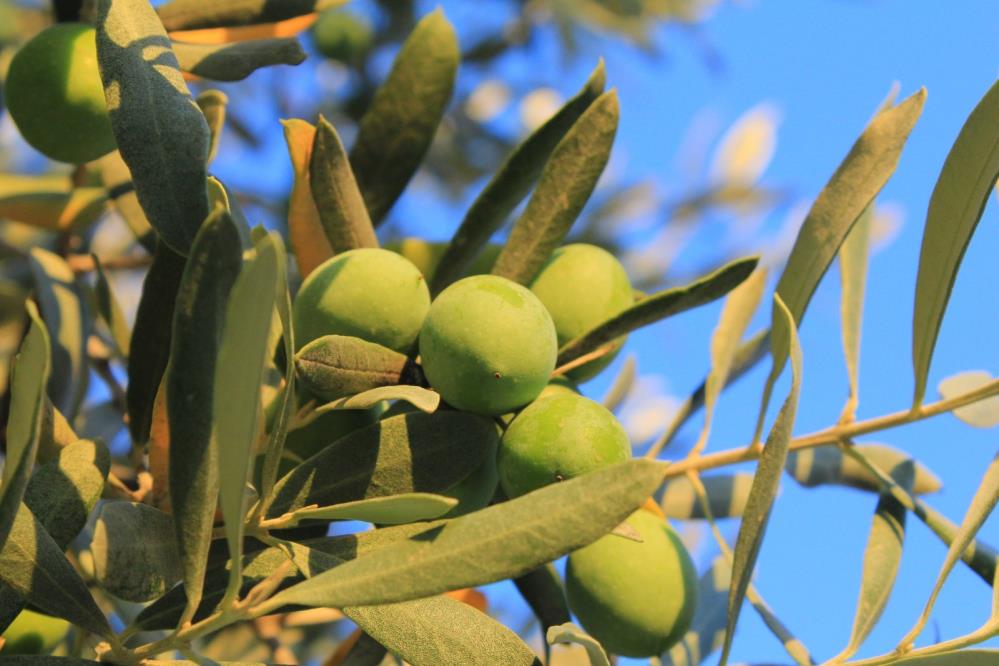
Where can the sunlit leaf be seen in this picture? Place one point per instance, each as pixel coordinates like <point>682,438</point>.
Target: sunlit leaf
<point>966,180</point>
<point>853,281</point>
<point>828,465</point>
<point>213,104</point>
<point>110,310</point>
<point>564,186</point>
<point>305,231</point>
<point>623,383</point>
<point>63,209</point>
<point>135,555</point>
<point>388,510</point>
<point>746,149</point>
<point>423,399</point>
<point>117,181</point>
<point>571,634</point>
<point>197,14</point>
<point>954,658</point>
<point>981,414</point>
<point>727,496</point>
<point>396,130</point>
<point>336,366</point>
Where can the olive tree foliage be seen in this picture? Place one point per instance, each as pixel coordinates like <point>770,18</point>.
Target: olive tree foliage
<point>200,537</point>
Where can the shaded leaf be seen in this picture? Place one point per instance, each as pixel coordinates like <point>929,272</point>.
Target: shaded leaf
<point>135,556</point>
<point>213,105</point>
<point>335,366</point>
<point>236,61</point>
<point>966,180</point>
<point>571,634</point>
<point>162,135</point>
<point>707,627</point>
<point>63,311</point>
<point>195,14</point>
<point>220,194</point>
<point>564,186</point>
<point>511,183</point>
<point>399,125</point>
<point>212,268</point>
<point>57,209</point>
<point>766,481</point>
<point>501,541</point>
<point>423,399</point>
<point>727,496</point>
<point>853,281</point>
<point>338,200</point>
<point>413,452</point>
<point>660,306</point>
<point>623,383</point>
<point>851,189</point>
<point>981,414</point>
<point>305,230</point>
<point>542,589</point>
<point>388,510</point>
<point>117,181</point>
<point>55,432</point>
<point>828,465</point>
<point>110,310</point>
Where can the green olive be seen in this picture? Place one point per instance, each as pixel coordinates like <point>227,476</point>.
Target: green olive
<point>33,633</point>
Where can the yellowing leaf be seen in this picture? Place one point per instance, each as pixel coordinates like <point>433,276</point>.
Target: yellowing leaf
<point>287,28</point>
<point>981,414</point>
<point>305,232</point>
<point>746,149</point>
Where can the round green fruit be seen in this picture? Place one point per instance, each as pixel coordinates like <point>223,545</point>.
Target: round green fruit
<point>33,633</point>
<point>559,437</point>
<point>368,293</point>
<point>637,599</point>
<point>342,36</point>
<point>488,345</point>
<point>55,95</point>
<point>582,286</point>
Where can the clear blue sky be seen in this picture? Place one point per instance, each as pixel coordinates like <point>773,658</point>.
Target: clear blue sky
<point>826,65</point>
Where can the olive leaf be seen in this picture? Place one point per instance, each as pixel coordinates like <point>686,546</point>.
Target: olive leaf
<point>766,481</point>
<point>564,186</point>
<point>135,556</point>
<point>54,209</point>
<point>211,270</point>
<point>117,181</point>
<point>63,310</point>
<point>162,135</point>
<point>110,310</point>
<point>335,366</point>
<point>41,660</point>
<point>399,125</point>
<point>511,183</point>
<point>150,342</point>
<point>196,14</point>
<point>24,421</point>
<point>423,399</point>
<point>388,510</point>
<point>966,180</point>
<point>213,105</point>
<point>660,306</point>
<point>569,633</point>
<point>542,589</point>
<point>622,385</point>
<point>305,230</point>
<point>338,200</point>
<point>981,414</point>
<point>413,452</point>
<point>239,374</point>
<point>237,60</point>
<point>705,633</point>
<point>851,189</point>
<point>501,541</point>
<point>727,496</point>
<point>219,194</point>
<point>953,658</point>
<point>853,281</point>
<point>829,465</point>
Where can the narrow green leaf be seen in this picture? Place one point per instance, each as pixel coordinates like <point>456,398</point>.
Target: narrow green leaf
<point>399,125</point>
<point>569,633</point>
<point>955,658</point>
<point>239,374</point>
<point>727,496</point>
<point>738,310</point>
<point>212,268</point>
<point>149,349</point>
<point>981,414</point>
<point>162,135</point>
<point>501,541</point>
<point>117,181</point>
<point>234,61</point>
<point>388,510</point>
<point>220,194</point>
<point>423,399</point>
<point>966,180</point>
<point>851,189</point>
<point>63,311</point>
<point>56,433</point>
<point>982,504</point>
<point>58,209</point>
<point>135,557</point>
<point>413,452</point>
<point>365,651</point>
<point>40,660</point>
<point>110,310</point>
<point>335,366</point>
<point>660,306</point>
<point>707,627</point>
<point>542,589</point>
<point>564,186</point>
<point>197,14</point>
<point>341,207</point>
<point>213,105</point>
<point>35,567</point>
<point>828,465</point>
<point>853,281</point>
<point>623,383</point>
<point>511,183</point>
<point>766,480</point>
<point>27,395</point>
<point>881,559</point>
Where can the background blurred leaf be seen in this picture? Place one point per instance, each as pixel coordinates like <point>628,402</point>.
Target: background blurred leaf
<point>571,634</point>
<point>511,183</point>
<point>564,186</point>
<point>335,366</point>
<point>388,510</point>
<point>396,130</point>
<point>117,181</point>
<point>305,230</point>
<point>706,632</point>
<point>981,414</point>
<point>135,554</point>
<point>110,310</point>
<point>955,658</point>
<point>213,105</point>
<point>623,383</point>
<point>853,281</point>
<point>235,62</point>
<point>542,589</point>
<point>727,496</point>
<point>64,211</point>
<point>195,14</point>
<point>423,399</point>
<point>745,151</point>
<point>162,135</point>
<point>968,175</point>
<point>828,465</point>
<point>65,316</point>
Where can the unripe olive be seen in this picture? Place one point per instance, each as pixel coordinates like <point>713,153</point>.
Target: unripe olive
<point>637,599</point>
<point>55,95</point>
<point>556,438</point>
<point>559,386</point>
<point>342,36</point>
<point>368,293</point>
<point>488,345</point>
<point>582,286</point>
<point>33,633</point>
